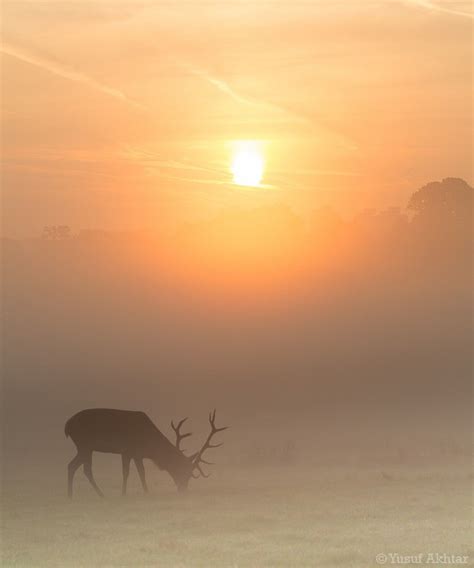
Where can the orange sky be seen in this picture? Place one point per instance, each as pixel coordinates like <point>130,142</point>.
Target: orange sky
<point>122,114</point>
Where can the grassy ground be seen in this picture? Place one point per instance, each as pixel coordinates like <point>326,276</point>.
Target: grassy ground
<point>267,516</point>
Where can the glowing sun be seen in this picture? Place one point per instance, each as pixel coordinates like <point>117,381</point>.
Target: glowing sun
<point>247,163</point>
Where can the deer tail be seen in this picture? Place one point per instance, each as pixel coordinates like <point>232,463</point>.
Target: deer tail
<point>67,428</point>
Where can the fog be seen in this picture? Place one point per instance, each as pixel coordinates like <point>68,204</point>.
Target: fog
<point>332,322</point>
<point>337,349</point>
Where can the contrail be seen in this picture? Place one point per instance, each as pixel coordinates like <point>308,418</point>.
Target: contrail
<point>224,87</point>
<point>65,72</point>
<point>438,8</point>
<point>296,116</point>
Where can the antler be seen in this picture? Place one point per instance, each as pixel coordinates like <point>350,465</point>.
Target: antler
<point>197,457</point>
<point>177,429</point>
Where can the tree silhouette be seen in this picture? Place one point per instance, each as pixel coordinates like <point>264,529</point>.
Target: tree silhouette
<point>449,201</point>
<point>56,232</point>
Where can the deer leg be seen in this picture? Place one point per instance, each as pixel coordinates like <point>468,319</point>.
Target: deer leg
<point>75,463</point>
<point>141,473</point>
<point>88,474</point>
<point>125,471</point>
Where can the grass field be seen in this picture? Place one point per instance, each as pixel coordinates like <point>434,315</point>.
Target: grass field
<point>255,517</point>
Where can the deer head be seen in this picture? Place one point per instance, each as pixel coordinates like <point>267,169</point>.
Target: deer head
<point>192,466</point>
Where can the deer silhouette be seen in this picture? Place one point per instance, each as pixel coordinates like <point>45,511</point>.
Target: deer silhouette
<point>134,436</point>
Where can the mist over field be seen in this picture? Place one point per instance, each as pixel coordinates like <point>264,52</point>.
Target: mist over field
<point>371,310</point>
<point>337,349</point>
<point>334,315</point>
<point>345,378</point>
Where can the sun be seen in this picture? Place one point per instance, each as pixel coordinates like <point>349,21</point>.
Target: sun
<point>247,163</point>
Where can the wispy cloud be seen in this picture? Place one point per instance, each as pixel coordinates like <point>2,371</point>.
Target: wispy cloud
<point>227,89</point>
<point>307,119</point>
<point>437,7</point>
<point>153,160</point>
<point>158,166</point>
<point>317,172</point>
<point>221,85</point>
<point>64,71</point>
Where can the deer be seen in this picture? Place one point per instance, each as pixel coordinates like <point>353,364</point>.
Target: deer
<point>133,435</point>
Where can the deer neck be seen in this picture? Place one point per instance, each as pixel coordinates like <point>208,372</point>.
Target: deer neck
<point>167,457</point>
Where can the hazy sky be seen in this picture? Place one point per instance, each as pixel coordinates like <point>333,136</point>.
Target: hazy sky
<point>122,114</point>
